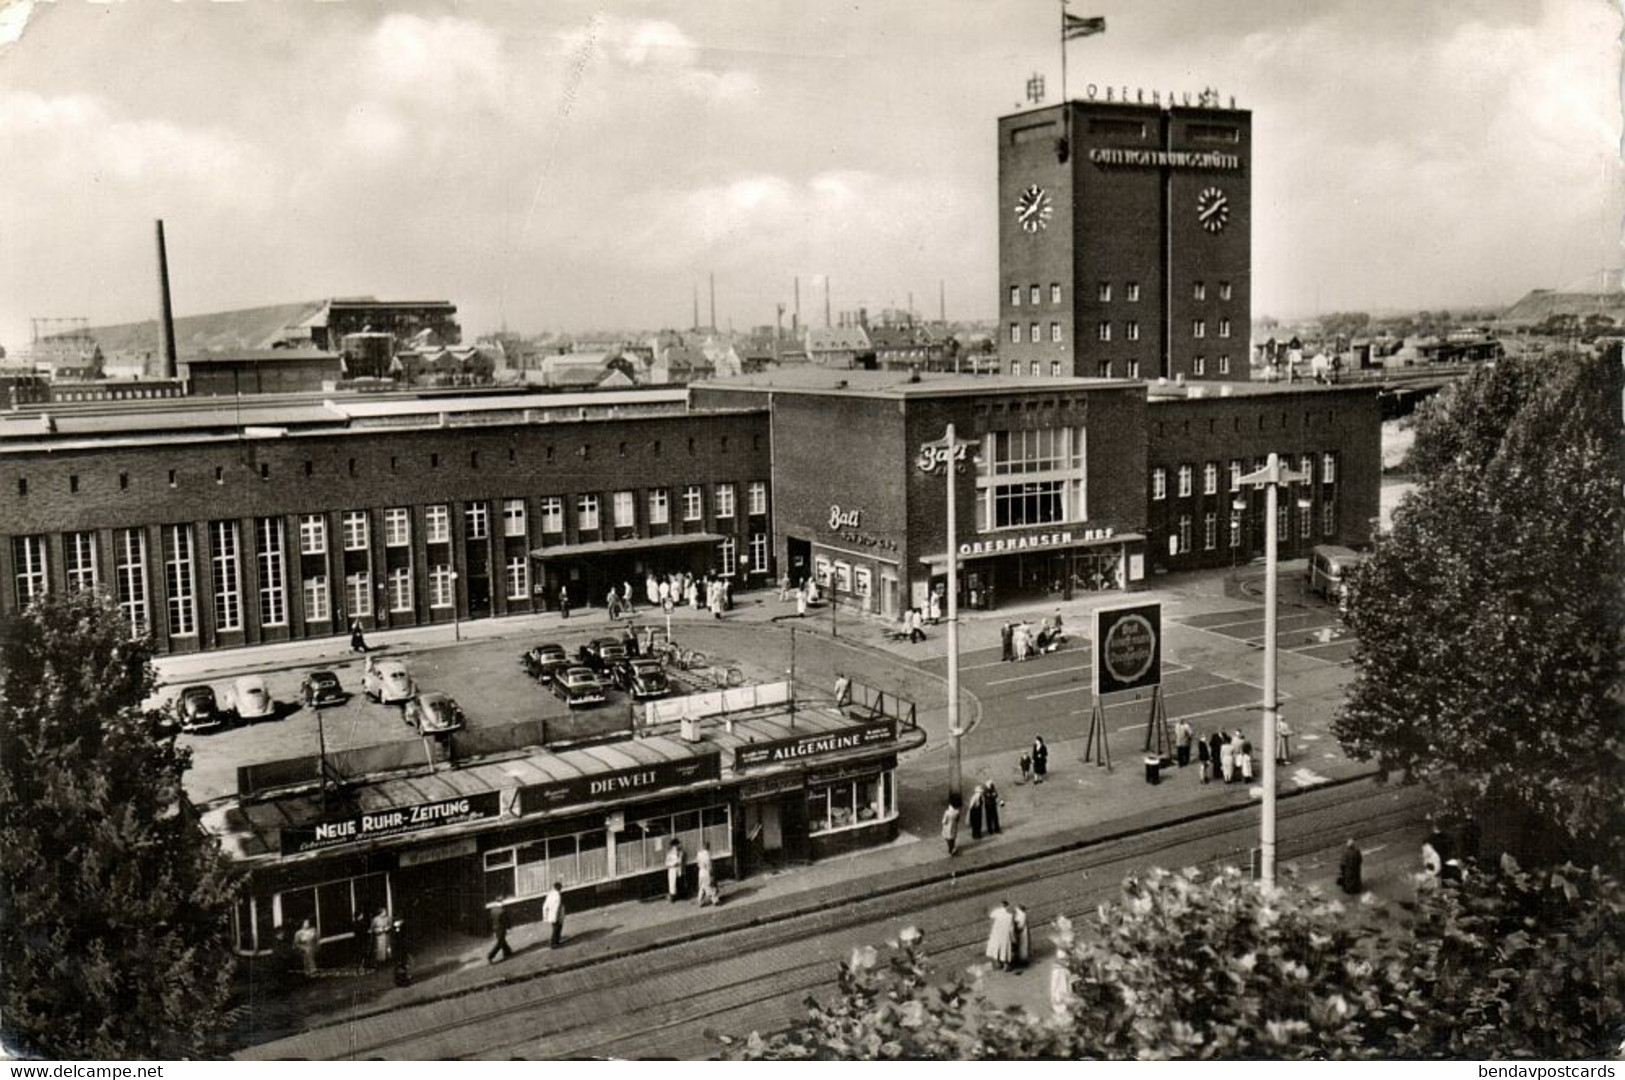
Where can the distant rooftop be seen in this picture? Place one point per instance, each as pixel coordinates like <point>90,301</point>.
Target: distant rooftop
<point>813,379</point>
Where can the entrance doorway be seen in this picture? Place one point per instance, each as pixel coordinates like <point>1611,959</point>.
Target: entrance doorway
<point>479,597</point>
<point>800,553</point>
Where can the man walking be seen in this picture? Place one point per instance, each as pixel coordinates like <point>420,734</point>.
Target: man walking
<point>674,870</point>
<point>705,891</point>
<point>564,601</point>
<point>553,915</point>
<point>950,826</point>
<point>499,932</point>
<point>1182,743</point>
<point>1007,639</point>
<point>1349,869</point>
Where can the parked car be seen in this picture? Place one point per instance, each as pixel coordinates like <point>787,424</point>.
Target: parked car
<point>433,713</point>
<point>643,679</point>
<point>578,686</point>
<point>546,661</point>
<point>601,654</point>
<point>320,688</point>
<point>387,681</point>
<point>197,710</point>
<point>250,700</point>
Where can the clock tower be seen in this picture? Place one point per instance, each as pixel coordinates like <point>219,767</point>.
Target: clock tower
<point>1125,239</point>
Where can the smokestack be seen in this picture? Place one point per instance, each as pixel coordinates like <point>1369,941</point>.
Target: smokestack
<point>826,302</point>
<point>795,317</point>
<point>942,301</point>
<point>713,301</point>
<point>166,316</point>
<point>695,325</point>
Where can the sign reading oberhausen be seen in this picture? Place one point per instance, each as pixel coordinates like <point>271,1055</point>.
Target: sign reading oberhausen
<point>797,747</point>
<point>1034,540</point>
<point>1128,648</point>
<point>600,787</point>
<point>396,821</point>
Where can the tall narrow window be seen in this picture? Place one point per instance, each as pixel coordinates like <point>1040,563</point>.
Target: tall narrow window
<point>1103,331</point>
<point>758,552</point>
<point>693,503</point>
<point>729,553</point>
<point>79,552</point>
<point>725,501</point>
<point>1224,364</point>
<point>1132,329</point>
<point>1055,292</point>
<point>518,576</point>
<point>437,524</point>
<point>552,513</point>
<point>1034,333</point>
<point>318,604</point>
<point>1210,531</point>
<point>624,508</point>
<point>587,513</point>
<point>513,517</point>
<point>273,582</point>
<point>397,527</point>
<point>1184,481</point>
<point>1235,475</point>
<point>355,530</point>
<point>1159,483</point>
<point>659,506</point>
<point>758,496</point>
<point>1210,478</point>
<point>1055,331</point>
<point>225,576</point>
<point>358,594</point>
<point>130,570</point>
<point>1328,519</point>
<point>1103,292</point>
<point>1328,468</point>
<point>1224,290</point>
<point>28,553</point>
<point>440,586</point>
<point>312,534</point>
<point>1199,366</point>
<point>1015,296</point>
<point>1033,295</point>
<point>400,589</point>
<point>1199,328</point>
<point>178,580</point>
<point>1184,533</point>
<point>1199,291</point>
<point>1134,369</point>
<point>1133,292</point>
<point>1224,328</point>
<point>1015,333</point>
<point>477,520</point>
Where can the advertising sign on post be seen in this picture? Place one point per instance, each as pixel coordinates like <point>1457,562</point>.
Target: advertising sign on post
<point>1128,648</point>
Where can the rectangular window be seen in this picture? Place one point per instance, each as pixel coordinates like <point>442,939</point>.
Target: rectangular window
<point>225,573</point>
<point>1103,331</point>
<point>1055,292</point>
<point>1199,366</point>
<point>1306,465</point>
<point>624,507</point>
<point>728,551</point>
<point>1039,502</point>
<point>1184,533</point>
<point>358,594</point>
<point>1210,531</point>
<point>1159,483</point>
<point>1055,331</point>
<point>355,530</point>
<point>1015,367</point>
<point>1210,478</point>
<point>1104,368</point>
<point>587,513</point>
<point>1134,369</point>
<point>1033,295</point>
<point>552,513</point>
<point>1015,296</point>
<point>1224,364</point>
<point>400,589</point>
<point>178,582</point>
<point>1199,291</point>
<point>758,496</point>
<point>1235,475</point>
<point>513,517</point>
<point>1199,328</point>
<point>441,593</point>
<point>758,553</point>
<point>1035,333</point>
<point>518,576</point>
<point>1306,522</point>
<point>1328,468</point>
<point>1328,519</point>
<point>437,524</point>
<point>1224,290</point>
<point>725,501</point>
<point>318,605</point>
<point>1185,472</point>
<point>1281,522</point>
<point>1133,290</point>
<point>273,586</point>
<point>397,527</point>
<point>1055,368</point>
<point>1103,292</point>
<point>28,552</point>
<point>130,569</point>
<point>1033,368</point>
<point>1235,528</point>
<point>312,534</point>
<point>693,503</point>
<point>659,506</point>
<point>1132,328</point>
<point>477,520</point>
<point>79,551</point>
<point>849,804</point>
<point>1224,328</point>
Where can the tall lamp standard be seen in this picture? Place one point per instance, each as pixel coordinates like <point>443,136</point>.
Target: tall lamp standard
<point>1270,478</point>
<point>456,615</point>
<point>949,453</point>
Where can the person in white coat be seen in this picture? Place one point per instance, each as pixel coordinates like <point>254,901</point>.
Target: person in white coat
<point>674,870</point>
<point>553,914</point>
<point>1001,935</point>
<point>706,891</point>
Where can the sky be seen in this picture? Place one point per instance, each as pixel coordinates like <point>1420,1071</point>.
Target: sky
<point>577,166</point>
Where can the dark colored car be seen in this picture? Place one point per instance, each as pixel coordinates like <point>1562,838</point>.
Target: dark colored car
<point>320,688</point>
<point>643,679</point>
<point>578,686</point>
<point>546,661</point>
<point>602,654</point>
<point>433,713</point>
<point>197,710</point>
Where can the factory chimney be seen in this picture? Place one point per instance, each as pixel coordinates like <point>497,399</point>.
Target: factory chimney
<point>166,316</point>
<point>795,318</point>
<point>713,302</point>
<point>826,302</point>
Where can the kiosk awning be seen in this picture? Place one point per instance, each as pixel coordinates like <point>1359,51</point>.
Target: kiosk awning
<point>1028,545</point>
<point>638,543</point>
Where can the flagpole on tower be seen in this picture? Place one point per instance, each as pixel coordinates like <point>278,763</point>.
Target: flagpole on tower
<point>1063,52</point>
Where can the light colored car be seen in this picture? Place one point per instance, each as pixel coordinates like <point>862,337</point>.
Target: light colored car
<point>388,681</point>
<point>433,713</point>
<point>250,700</point>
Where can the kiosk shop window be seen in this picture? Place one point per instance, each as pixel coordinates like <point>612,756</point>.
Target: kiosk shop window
<point>843,577</point>
<point>332,907</point>
<point>582,858</point>
<point>863,582</point>
<point>821,569</point>
<point>850,803</point>
<point>641,846</point>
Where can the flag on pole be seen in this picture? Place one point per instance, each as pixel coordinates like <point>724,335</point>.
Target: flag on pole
<point>1076,26</point>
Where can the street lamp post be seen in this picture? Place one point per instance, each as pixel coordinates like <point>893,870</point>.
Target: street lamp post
<point>949,454</point>
<point>1270,478</point>
<point>456,614</point>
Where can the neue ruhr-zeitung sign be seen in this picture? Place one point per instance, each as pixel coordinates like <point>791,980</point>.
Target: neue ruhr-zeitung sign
<point>395,821</point>
<point>1128,648</point>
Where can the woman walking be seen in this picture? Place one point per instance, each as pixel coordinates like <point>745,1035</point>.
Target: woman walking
<point>1040,760</point>
<point>1001,935</point>
<point>305,940</point>
<point>975,810</point>
<point>990,807</point>
<point>950,827</point>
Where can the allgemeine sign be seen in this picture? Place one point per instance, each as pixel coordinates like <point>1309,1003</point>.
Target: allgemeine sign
<point>395,821</point>
<point>1128,648</point>
<point>813,744</point>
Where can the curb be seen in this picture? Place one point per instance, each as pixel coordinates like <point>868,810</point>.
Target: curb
<point>843,892</point>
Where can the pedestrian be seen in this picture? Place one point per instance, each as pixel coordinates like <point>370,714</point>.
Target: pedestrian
<point>1213,745</point>
<point>1227,759</point>
<point>950,826</point>
<point>916,626</point>
<point>305,941</point>
<point>612,605</point>
<point>651,590</point>
<point>974,809</point>
<point>358,640</point>
<point>1007,639</point>
<point>553,915</point>
<point>1040,760</point>
<point>630,637</point>
<point>990,807</point>
<point>812,590</point>
<point>1207,762</point>
<point>626,596</point>
<point>1060,987</point>
<point>1001,935</point>
<point>1348,869</point>
<point>358,934</point>
<point>1026,764</point>
<point>706,887</point>
<point>784,589</point>
<point>1022,938</point>
<point>674,870</point>
<point>801,602</point>
<point>663,592</point>
<point>843,690</point>
<point>564,601</point>
<point>934,605</point>
<point>499,933</point>
<point>1182,743</point>
<point>716,599</point>
<point>1244,758</point>
<point>1022,640</point>
<point>381,928</point>
<point>1283,742</point>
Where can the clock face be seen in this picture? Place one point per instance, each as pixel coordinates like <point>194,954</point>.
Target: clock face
<point>1212,209</point>
<point>1034,208</point>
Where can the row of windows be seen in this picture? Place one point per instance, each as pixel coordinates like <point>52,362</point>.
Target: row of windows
<point>1199,364</point>
<point>1210,474</point>
<point>1199,328</point>
<point>1103,292</point>
<point>1035,333</point>
<point>1034,294</point>
<point>1103,331</point>
<point>1036,368</point>
<point>1210,527</point>
<point>308,468</point>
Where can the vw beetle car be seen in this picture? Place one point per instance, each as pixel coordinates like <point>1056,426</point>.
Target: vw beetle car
<point>578,687</point>
<point>387,681</point>
<point>433,713</point>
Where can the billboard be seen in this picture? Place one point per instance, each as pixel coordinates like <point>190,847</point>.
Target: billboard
<point>1128,648</point>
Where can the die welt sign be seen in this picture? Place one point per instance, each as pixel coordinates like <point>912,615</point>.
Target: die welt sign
<point>620,783</point>
<point>395,821</point>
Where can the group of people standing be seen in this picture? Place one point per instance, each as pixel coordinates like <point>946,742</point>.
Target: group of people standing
<point>705,883</point>
<point>374,940</point>
<point>1009,941</point>
<point>1226,756</point>
<point>1020,641</point>
<point>1034,762</point>
<point>805,594</point>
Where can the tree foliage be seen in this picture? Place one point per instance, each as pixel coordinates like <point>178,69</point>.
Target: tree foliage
<point>1508,964</point>
<point>115,904</point>
<point>1490,622</point>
